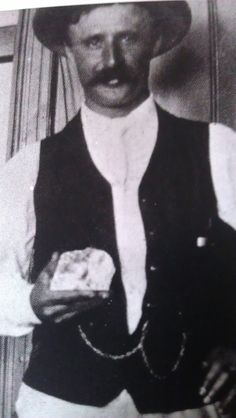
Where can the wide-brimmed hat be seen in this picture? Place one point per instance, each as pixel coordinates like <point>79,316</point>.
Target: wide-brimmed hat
<point>173,19</point>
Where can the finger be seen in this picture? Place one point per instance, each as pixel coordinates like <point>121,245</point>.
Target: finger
<point>75,307</point>
<point>65,317</point>
<point>205,365</point>
<point>53,312</point>
<point>230,399</point>
<point>217,387</point>
<point>86,305</point>
<point>82,307</point>
<point>71,296</point>
<point>49,313</point>
<point>47,273</point>
<point>210,378</point>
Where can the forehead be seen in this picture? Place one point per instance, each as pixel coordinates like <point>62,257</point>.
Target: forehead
<point>113,18</point>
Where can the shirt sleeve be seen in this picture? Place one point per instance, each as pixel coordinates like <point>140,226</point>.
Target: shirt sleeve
<point>17,231</point>
<point>223,169</point>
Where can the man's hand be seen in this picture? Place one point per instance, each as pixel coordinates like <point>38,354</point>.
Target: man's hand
<point>220,381</point>
<point>58,306</point>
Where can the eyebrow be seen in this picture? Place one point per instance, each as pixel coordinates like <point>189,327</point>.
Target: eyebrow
<point>103,34</point>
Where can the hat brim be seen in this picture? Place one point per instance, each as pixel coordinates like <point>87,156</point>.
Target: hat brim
<point>172,18</point>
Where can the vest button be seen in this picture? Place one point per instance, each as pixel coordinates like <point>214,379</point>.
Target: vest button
<point>152,233</point>
<point>153,268</point>
<point>201,242</point>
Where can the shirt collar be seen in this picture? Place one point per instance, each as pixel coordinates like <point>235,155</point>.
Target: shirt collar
<point>121,147</point>
<point>139,114</point>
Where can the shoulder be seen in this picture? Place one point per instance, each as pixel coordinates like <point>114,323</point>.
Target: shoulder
<point>23,161</point>
<point>20,170</point>
<point>222,147</point>
<point>58,142</point>
<point>222,140</point>
<point>180,120</point>
<point>220,130</point>
<point>17,181</point>
<point>24,165</point>
<point>184,130</point>
<point>223,169</point>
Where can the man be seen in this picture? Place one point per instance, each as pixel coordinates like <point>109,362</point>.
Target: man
<point>129,178</point>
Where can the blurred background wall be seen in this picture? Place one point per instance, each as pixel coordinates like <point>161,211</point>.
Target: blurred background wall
<point>197,80</point>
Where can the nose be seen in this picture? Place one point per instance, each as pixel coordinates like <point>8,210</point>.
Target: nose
<point>110,55</point>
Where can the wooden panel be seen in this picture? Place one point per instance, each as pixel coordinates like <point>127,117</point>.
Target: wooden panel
<point>5,83</point>
<point>69,93</point>
<point>31,92</point>
<point>227,61</point>
<point>31,105</point>
<point>14,356</point>
<point>33,116</point>
<point>7,38</point>
<point>8,17</point>
<point>213,60</point>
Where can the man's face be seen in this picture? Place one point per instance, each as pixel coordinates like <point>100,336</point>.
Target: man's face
<point>112,46</point>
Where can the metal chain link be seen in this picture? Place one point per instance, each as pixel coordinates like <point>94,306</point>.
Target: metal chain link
<point>139,347</point>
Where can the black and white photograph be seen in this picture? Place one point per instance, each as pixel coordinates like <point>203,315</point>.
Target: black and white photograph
<point>118,210</point>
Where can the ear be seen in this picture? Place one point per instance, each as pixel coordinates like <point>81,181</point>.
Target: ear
<point>61,50</point>
<point>67,52</point>
<point>157,47</point>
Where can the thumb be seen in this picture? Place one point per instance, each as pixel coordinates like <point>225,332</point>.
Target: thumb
<point>205,364</point>
<point>48,272</point>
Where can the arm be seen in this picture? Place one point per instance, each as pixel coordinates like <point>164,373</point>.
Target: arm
<point>220,366</point>
<point>24,305</point>
<point>223,169</point>
<point>17,229</point>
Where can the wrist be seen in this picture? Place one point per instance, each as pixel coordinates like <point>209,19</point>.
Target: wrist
<point>34,318</point>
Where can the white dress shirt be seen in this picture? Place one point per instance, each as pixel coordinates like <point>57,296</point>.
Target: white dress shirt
<point>122,155</point>
<point>121,149</point>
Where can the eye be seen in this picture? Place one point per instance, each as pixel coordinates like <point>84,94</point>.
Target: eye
<point>94,42</point>
<point>128,38</point>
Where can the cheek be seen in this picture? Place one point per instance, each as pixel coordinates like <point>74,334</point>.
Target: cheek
<point>138,57</point>
<point>86,66</point>
<point>139,63</point>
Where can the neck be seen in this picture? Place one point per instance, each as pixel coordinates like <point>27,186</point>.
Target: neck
<point>115,112</point>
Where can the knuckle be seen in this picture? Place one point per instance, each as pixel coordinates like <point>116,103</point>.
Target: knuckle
<point>46,311</point>
<point>58,320</point>
<point>43,302</point>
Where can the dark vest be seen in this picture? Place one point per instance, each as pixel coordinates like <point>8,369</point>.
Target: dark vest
<point>92,359</point>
